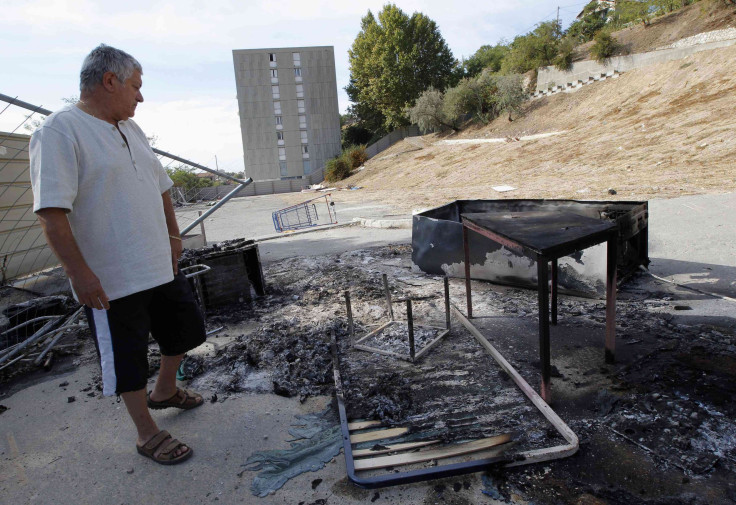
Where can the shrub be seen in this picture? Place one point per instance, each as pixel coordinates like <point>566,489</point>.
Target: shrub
<point>355,135</point>
<point>355,155</point>
<point>605,46</point>
<point>429,112</point>
<point>563,60</point>
<point>337,169</point>
<point>511,93</point>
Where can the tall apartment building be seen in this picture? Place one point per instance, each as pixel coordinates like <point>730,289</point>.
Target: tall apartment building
<point>289,117</point>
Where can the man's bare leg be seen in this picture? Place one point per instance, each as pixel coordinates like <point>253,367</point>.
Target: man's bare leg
<point>165,386</point>
<point>137,405</point>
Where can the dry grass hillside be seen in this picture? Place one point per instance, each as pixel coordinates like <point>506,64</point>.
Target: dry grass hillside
<point>703,16</point>
<point>656,132</point>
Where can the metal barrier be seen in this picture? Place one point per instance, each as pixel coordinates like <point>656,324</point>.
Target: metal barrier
<point>23,249</point>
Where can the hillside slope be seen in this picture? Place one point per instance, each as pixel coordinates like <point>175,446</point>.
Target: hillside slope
<point>657,132</point>
<point>703,16</point>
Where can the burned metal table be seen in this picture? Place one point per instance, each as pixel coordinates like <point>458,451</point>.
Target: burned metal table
<point>546,237</point>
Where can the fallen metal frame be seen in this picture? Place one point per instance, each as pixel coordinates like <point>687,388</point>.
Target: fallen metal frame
<point>303,215</point>
<point>465,467</point>
<point>413,355</point>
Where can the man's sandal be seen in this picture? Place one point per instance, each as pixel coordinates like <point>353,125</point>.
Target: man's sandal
<point>182,399</point>
<point>162,447</point>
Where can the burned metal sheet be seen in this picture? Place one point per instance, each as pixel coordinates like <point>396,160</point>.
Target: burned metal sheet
<point>437,244</point>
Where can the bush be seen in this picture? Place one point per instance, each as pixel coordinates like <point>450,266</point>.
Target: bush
<point>355,135</point>
<point>563,60</point>
<point>429,112</point>
<point>355,155</point>
<point>511,93</point>
<point>605,46</point>
<point>337,169</point>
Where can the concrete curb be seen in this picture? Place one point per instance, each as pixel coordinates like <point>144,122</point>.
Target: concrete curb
<point>300,232</point>
<point>383,223</point>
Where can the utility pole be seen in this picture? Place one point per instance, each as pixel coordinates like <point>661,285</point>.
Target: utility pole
<point>558,19</point>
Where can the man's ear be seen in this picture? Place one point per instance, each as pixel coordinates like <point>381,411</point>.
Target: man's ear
<point>109,81</point>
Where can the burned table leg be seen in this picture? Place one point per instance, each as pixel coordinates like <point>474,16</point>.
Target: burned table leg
<point>410,321</point>
<point>388,297</point>
<point>447,303</point>
<point>553,291</point>
<point>467,272</point>
<point>544,354</point>
<point>350,316</point>
<point>611,299</point>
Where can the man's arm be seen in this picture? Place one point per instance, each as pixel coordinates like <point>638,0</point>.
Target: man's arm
<point>59,236</point>
<point>176,244</point>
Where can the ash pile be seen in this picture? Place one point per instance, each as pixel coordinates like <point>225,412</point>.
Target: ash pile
<point>665,407</point>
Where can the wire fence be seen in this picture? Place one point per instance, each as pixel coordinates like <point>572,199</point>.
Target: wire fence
<point>37,310</point>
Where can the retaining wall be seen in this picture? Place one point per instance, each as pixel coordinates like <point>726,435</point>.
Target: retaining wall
<point>550,77</point>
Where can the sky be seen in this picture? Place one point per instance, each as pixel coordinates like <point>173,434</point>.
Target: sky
<point>185,48</point>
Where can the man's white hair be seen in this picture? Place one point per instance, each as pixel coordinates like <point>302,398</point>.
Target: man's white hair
<point>103,59</point>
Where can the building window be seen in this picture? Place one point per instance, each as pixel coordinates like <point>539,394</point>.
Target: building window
<point>300,105</point>
<point>297,72</point>
<point>305,151</point>
<point>302,121</point>
<point>272,57</point>
<point>277,107</point>
<point>279,120</point>
<point>280,138</point>
<point>304,137</point>
<point>297,59</point>
<point>274,72</point>
<point>307,167</point>
<point>275,91</point>
<point>282,153</point>
<point>300,90</point>
<point>282,169</point>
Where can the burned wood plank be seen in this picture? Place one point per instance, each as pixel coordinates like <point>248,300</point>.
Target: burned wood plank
<point>361,425</point>
<point>378,435</point>
<point>360,453</point>
<point>421,456</point>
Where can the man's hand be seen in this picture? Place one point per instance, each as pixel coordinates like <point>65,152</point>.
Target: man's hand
<point>176,248</point>
<point>89,290</point>
<point>59,236</point>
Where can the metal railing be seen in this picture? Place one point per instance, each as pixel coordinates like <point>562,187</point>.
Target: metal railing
<point>25,259</point>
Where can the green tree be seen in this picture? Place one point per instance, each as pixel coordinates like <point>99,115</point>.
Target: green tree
<point>511,93</point>
<point>632,11</point>
<point>393,59</point>
<point>605,46</point>
<point>184,177</point>
<point>535,49</point>
<point>475,96</point>
<point>429,112</point>
<point>489,57</point>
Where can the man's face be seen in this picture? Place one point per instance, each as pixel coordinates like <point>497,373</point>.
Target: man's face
<point>128,94</point>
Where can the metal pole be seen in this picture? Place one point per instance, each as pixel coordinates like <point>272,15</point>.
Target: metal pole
<point>544,355</point>
<point>447,302</point>
<point>553,292</point>
<point>410,320</point>
<point>201,228</point>
<point>201,167</point>
<point>46,112</point>
<point>388,297</point>
<point>350,316</point>
<point>216,206</point>
<point>466,250</point>
<point>611,257</point>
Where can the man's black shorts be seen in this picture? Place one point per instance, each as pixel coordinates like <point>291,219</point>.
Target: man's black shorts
<point>168,312</point>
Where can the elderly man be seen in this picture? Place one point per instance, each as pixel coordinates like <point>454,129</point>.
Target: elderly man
<point>101,196</point>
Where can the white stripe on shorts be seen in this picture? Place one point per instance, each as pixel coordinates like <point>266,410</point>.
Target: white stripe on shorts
<point>107,358</point>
